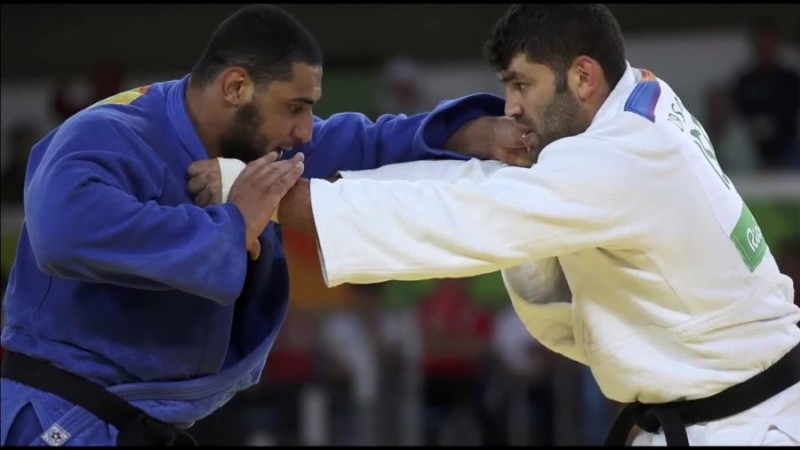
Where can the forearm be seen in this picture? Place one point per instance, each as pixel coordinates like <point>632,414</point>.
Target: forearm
<point>463,127</point>
<point>446,170</point>
<point>104,234</point>
<point>197,253</point>
<point>295,211</point>
<point>470,138</point>
<point>371,231</point>
<point>350,141</point>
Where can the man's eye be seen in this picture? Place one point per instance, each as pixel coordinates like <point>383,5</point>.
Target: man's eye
<point>520,86</point>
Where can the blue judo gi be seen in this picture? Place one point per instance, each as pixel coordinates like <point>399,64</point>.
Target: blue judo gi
<point>120,279</point>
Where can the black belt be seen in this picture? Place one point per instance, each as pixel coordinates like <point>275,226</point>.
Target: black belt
<point>673,417</point>
<point>134,426</point>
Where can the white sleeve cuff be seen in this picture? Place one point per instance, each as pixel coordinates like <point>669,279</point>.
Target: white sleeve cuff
<point>229,170</point>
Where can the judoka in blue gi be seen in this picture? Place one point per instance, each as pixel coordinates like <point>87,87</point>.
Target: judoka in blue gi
<point>121,285</point>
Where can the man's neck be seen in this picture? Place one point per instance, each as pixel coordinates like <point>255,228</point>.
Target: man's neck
<point>596,104</point>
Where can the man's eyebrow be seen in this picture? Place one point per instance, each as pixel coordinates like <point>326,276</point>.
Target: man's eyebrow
<point>508,76</point>
<point>305,100</point>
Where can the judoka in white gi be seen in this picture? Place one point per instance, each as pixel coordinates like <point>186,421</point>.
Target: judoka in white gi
<point>625,247</point>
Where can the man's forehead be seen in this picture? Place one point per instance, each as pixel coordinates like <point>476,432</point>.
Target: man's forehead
<point>305,76</point>
<point>306,83</point>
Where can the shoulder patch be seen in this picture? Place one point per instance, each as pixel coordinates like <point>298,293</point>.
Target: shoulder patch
<point>124,98</point>
<point>644,97</point>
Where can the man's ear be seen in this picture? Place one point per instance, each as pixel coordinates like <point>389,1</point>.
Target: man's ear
<point>586,77</point>
<point>237,86</point>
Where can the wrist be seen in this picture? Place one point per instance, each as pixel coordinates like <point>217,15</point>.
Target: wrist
<point>471,138</point>
<point>295,210</point>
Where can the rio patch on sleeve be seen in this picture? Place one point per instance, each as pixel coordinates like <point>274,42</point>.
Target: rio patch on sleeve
<point>747,238</point>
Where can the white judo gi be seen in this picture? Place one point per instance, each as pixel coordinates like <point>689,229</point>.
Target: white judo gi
<point>673,294</point>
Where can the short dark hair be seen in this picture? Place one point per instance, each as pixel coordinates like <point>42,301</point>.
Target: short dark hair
<point>264,39</point>
<point>554,35</point>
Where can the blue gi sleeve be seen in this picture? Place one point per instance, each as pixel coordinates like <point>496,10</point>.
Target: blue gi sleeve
<point>351,141</point>
<point>92,215</point>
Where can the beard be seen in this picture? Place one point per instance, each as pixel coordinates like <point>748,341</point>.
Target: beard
<point>561,118</point>
<point>241,140</point>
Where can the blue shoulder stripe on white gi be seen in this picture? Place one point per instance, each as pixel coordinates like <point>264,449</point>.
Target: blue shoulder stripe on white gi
<point>644,97</point>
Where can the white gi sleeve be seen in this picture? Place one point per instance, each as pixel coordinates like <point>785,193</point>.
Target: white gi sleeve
<point>374,230</point>
<point>446,170</point>
<point>538,290</point>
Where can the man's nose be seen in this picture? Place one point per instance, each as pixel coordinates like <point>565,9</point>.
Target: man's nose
<point>513,109</point>
<point>304,129</point>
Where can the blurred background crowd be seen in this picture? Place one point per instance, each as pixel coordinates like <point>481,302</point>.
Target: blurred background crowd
<point>442,362</point>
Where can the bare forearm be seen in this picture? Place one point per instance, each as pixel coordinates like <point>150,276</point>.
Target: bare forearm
<point>295,210</point>
<point>470,139</point>
<point>498,138</point>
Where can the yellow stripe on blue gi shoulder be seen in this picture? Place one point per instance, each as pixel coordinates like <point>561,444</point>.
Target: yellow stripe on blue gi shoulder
<point>124,98</point>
